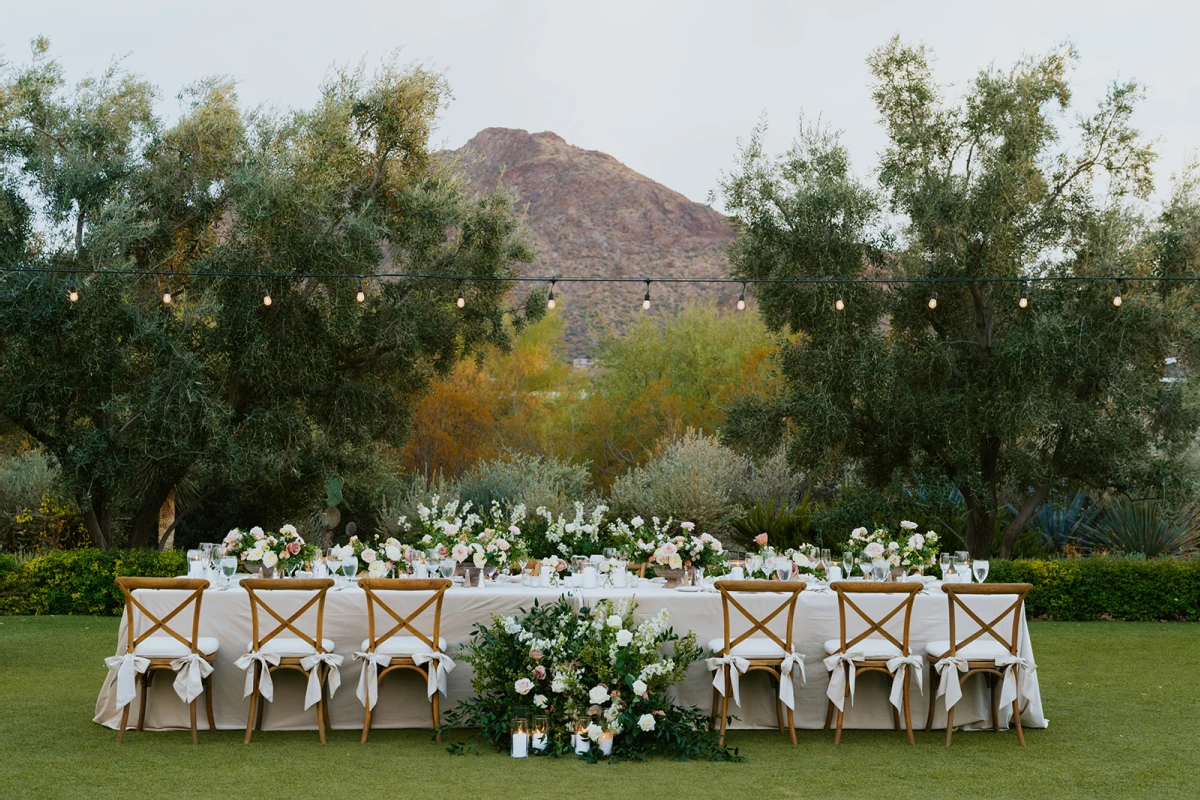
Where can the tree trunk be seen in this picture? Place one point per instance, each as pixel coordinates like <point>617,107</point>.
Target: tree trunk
<point>145,529</point>
<point>981,523</point>
<point>1022,519</point>
<point>97,519</point>
<point>166,524</point>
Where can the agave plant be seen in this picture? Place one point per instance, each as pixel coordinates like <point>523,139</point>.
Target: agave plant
<point>1057,526</point>
<point>1131,526</point>
<point>786,525</point>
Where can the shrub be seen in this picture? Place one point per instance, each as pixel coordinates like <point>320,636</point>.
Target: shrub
<point>1143,527</point>
<point>786,526</point>
<point>534,480</point>
<point>36,513</point>
<point>694,478</point>
<point>1080,589</point>
<point>79,581</point>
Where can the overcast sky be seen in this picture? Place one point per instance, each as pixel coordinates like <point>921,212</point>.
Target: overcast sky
<point>666,87</point>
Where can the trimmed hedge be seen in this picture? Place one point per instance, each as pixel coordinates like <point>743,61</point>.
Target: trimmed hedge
<point>1080,589</point>
<point>78,581</point>
<point>1076,589</point>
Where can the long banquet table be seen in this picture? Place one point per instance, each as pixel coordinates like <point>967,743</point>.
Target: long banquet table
<point>403,702</point>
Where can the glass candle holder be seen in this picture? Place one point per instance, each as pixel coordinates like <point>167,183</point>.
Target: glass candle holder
<point>541,733</point>
<point>606,743</point>
<point>520,738</point>
<point>580,739</point>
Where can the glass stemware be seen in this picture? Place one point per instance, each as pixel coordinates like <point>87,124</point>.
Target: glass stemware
<point>981,570</point>
<point>349,570</point>
<point>446,566</point>
<point>826,559</point>
<point>847,564</point>
<point>879,568</point>
<point>783,568</point>
<point>944,562</point>
<point>229,565</point>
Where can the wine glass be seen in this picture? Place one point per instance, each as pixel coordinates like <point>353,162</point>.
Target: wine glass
<point>944,562</point>
<point>826,559</point>
<point>489,572</point>
<point>349,569</point>
<point>783,568</point>
<point>981,570</point>
<point>447,566</point>
<point>847,563</point>
<point>229,565</point>
<point>865,566</point>
<point>879,568</point>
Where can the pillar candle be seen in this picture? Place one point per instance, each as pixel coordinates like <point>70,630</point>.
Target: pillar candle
<point>520,745</point>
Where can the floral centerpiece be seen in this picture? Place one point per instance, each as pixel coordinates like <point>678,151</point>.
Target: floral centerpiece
<point>598,664</point>
<point>263,551</point>
<point>920,551</point>
<point>704,552</point>
<point>378,559</point>
<point>806,560</point>
<point>578,536</point>
<point>875,545</point>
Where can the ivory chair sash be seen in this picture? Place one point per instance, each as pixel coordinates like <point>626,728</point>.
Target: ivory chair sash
<point>879,609</point>
<point>978,647</point>
<point>757,649</point>
<point>307,654</point>
<point>161,647</point>
<point>418,652</point>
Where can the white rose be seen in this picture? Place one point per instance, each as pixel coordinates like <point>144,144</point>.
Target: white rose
<point>460,552</point>
<point>646,722</point>
<point>675,562</point>
<point>858,533</point>
<point>523,686</point>
<point>687,526</point>
<point>269,559</point>
<point>624,637</point>
<point>893,546</point>
<point>873,550</point>
<point>594,732</point>
<point>598,695</point>
<point>393,552</point>
<point>669,549</point>
<point>930,536</point>
<point>514,530</point>
<point>559,684</point>
<point>800,559</point>
<point>894,560</point>
<point>539,700</point>
<point>479,559</point>
<point>637,522</point>
<point>289,530</point>
<point>368,555</point>
<point>639,687</point>
<point>916,541</point>
<point>257,532</point>
<point>377,569</point>
<point>908,526</point>
<point>614,621</point>
<point>233,537</point>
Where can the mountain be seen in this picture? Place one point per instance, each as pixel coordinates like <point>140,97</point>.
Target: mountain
<point>589,214</point>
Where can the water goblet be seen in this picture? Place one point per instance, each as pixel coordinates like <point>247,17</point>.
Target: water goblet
<point>879,569</point>
<point>944,562</point>
<point>980,567</point>
<point>783,568</point>
<point>229,565</point>
<point>446,566</point>
<point>349,569</point>
<point>847,563</point>
<point>826,558</point>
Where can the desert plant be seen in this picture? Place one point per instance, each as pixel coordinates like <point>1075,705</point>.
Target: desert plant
<point>1058,525</point>
<point>1143,526</point>
<point>521,478</point>
<point>787,525</point>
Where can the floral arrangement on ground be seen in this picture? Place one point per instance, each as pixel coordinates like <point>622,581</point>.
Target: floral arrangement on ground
<point>592,669</point>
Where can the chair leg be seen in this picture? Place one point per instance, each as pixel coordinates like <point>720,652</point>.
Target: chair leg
<point>791,725</point>
<point>779,713</point>
<point>907,703</point>
<point>212,723</point>
<point>716,708</point>
<point>895,718</point>
<point>145,681</point>
<point>124,724</point>
<point>325,702</point>
<point>262,708</point>
<point>192,714</point>
<point>1017,717</point>
<point>932,702</point>
<point>829,713</point>
<point>949,720</point>
<point>841,714</point>
<point>320,708</point>
<point>725,706</point>
<point>996,684</point>
<point>253,707</point>
<point>366,724</point>
<point>435,701</point>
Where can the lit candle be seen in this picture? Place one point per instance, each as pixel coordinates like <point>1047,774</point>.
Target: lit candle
<point>539,741</point>
<point>541,726</point>
<point>581,741</point>
<point>737,574</point>
<point>606,743</point>
<point>520,745</point>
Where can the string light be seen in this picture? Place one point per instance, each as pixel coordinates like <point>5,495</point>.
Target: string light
<point>266,297</point>
<point>1024,301</point>
<point>167,295</point>
<point>741,304</point>
<point>73,294</point>
<point>550,301</point>
<point>932,298</point>
<point>1117,296</point>
<point>838,303</point>
<point>462,301</point>
<point>361,296</point>
<point>646,299</point>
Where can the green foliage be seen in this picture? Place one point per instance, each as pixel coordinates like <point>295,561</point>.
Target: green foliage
<point>694,478</point>
<point>1081,589</point>
<point>517,478</point>
<point>978,393</point>
<point>78,581</point>
<point>217,394</point>
<point>1143,528</point>
<point>35,511</point>
<point>786,526</point>
<point>1059,525</point>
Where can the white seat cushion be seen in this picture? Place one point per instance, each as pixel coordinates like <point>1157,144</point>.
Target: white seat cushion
<point>978,650</point>
<point>291,647</point>
<point>164,646</point>
<point>754,647</point>
<point>869,647</point>
<point>403,646</point>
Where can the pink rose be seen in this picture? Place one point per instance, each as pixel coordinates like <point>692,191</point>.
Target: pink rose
<point>593,710</point>
<point>539,672</point>
<point>536,655</point>
<point>562,565</point>
<point>390,565</point>
<point>761,539</point>
<point>294,548</point>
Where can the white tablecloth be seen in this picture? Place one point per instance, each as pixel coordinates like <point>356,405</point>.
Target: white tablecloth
<point>403,702</point>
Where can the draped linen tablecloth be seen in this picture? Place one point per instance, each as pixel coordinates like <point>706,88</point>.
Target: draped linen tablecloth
<point>403,701</point>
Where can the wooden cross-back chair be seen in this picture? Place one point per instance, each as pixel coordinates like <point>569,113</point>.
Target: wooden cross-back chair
<point>765,653</point>
<point>876,643</point>
<point>291,649</point>
<point>160,649</point>
<point>992,639</point>
<point>403,648</point>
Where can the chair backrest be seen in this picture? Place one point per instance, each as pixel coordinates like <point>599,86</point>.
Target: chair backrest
<point>727,588</point>
<point>129,585</point>
<point>979,600</point>
<point>882,615</point>
<point>373,586</point>
<point>317,587</point>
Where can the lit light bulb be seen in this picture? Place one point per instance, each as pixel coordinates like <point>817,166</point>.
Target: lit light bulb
<point>361,296</point>
<point>839,303</point>
<point>1024,301</point>
<point>266,297</point>
<point>462,301</point>
<point>646,299</point>
<point>1117,297</point>
<point>550,300</point>
<point>932,300</point>
<point>741,303</point>
<point>73,295</point>
<point>167,296</point>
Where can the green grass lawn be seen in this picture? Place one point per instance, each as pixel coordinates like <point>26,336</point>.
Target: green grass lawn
<point>1121,699</point>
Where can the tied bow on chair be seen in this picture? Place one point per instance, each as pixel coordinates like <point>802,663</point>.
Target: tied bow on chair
<point>192,669</point>
<point>839,665</point>
<point>440,666</point>
<point>787,689</point>
<point>1008,692</point>
<point>898,666</point>
<point>949,684</point>
<point>265,685</point>
<point>368,681</point>
<point>333,677</point>
<point>733,666</point>
<point>128,666</point>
